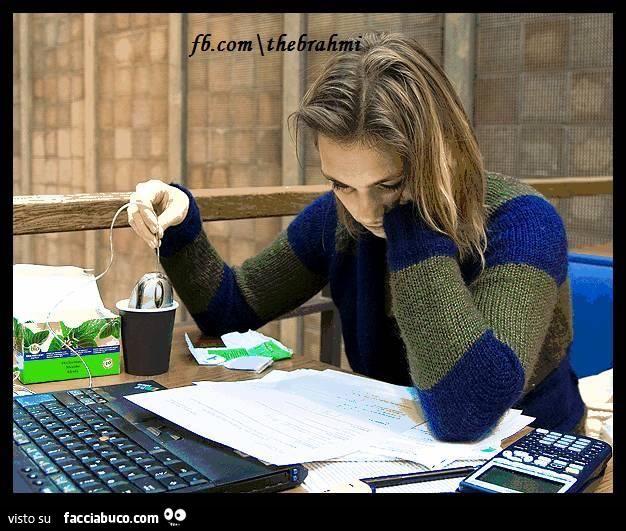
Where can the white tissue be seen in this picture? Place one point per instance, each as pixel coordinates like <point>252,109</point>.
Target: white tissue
<point>37,289</point>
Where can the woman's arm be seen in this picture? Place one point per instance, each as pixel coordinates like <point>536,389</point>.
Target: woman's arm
<point>471,349</point>
<point>223,299</point>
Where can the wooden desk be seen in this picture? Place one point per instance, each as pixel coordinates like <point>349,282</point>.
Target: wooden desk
<point>184,369</point>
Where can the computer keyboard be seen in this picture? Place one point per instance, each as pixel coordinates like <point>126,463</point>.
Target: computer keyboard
<point>78,448</point>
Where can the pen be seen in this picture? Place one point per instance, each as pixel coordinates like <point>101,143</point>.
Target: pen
<point>418,477</point>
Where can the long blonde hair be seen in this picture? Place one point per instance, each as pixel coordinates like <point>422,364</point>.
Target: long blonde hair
<point>391,95</point>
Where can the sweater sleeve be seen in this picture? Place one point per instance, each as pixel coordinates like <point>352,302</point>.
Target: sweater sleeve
<point>471,349</point>
<point>222,298</point>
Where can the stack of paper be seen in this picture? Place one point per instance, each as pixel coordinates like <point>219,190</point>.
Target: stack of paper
<point>342,426</point>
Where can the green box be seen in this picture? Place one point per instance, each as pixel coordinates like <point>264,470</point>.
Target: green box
<point>42,357</point>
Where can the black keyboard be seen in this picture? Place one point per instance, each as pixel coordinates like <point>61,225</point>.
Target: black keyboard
<point>78,448</point>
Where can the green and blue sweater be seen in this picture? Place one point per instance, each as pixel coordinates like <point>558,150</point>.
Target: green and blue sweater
<point>473,342</point>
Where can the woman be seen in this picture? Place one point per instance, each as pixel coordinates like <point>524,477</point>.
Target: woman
<point>446,277</point>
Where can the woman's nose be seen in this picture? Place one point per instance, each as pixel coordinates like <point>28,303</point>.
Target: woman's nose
<point>370,209</point>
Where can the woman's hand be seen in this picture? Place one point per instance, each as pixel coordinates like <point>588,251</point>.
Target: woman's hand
<point>167,202</point>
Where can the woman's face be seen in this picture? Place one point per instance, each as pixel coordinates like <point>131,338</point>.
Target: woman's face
<point>365,180</point>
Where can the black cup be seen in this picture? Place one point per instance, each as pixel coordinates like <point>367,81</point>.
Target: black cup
<point>146,338</point>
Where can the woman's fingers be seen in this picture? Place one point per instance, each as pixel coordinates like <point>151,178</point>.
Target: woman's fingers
<point>138,224</point>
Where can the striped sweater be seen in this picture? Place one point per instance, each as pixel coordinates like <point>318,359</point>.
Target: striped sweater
<point>473,342</point>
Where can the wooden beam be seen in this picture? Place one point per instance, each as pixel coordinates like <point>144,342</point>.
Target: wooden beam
<point>176,161</point>
<point>316,304</point>
<point>37,214</point>
<point>177,109</point>
<point>26,108</point>
<point>292,331</point>
<point>459,56</point>
<point>560,187</point>
<point>91,130</point>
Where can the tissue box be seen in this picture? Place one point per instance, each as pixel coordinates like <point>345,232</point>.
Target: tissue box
<point>81,320</point>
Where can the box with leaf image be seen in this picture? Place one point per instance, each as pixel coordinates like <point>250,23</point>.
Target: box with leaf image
<point>60,325</point>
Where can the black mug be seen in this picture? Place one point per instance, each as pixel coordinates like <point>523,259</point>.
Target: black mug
<point>146,338</point>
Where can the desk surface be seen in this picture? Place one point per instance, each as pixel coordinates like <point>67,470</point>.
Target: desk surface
<point>184,370</point>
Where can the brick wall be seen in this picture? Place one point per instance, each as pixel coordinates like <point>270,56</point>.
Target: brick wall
<point>543,105</point>
<point>234,126</point>
<point>57,155</point>
<point>131,130</point>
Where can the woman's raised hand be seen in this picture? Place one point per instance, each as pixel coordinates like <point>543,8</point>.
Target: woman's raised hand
<point>155,207</point>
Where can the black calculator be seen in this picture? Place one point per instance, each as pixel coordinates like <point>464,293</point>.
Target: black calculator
<point>542,462</point>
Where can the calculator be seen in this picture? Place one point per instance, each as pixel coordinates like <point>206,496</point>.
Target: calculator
<point>542,461</point>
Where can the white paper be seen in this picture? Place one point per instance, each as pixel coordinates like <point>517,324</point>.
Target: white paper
<point>394,410</point>
<point>249,363</point>
<point>324,475</point>
<point>311,416</point>
<point>267,424</point>
<point>249,340</point>
<point>441,485</point>
<point>419,445</point>
<point>202,355</point>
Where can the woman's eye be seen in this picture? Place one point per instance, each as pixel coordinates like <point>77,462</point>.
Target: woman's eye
<point>338,186</point>
<point>391,187</point>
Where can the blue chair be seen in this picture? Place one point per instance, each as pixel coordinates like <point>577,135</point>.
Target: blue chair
<point>591,279</point>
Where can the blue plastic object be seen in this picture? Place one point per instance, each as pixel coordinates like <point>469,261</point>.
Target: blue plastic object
<point>591,279</point>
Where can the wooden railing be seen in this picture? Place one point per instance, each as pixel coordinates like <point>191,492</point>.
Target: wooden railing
<point>40,214</point>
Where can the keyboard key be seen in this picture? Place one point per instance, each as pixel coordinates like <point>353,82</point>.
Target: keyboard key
<point>76,446</point>
<point>33,431</point>
<point>49,446</point>
<point>161,473</point>
<point>150,485</point>
<point>144,459</point>
<point>80,475</point>
<point>166,458</point>
<point>19,436</point>
<point>63,483</point>
<point>124,487</point>
<point>88,483</point>
<point>133,452</point>
<point>101,470</point>
<point>110,454</point>
<point>174,483</point>
<point>148,464</point>
<point>74,469</point>
<point>196,479</point>
<point>111,478</point>
<point>133,474</point>
<point>120,462</point>
<point>182,469</point>
<point>85,454</point>
<point>97,490</point>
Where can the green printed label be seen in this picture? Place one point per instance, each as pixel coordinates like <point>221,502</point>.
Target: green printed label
<point>271,350</point>
<point>68,368</point>
<point>228,353</point>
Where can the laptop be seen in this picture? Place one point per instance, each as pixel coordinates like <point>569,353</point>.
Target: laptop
<point>96,441</point>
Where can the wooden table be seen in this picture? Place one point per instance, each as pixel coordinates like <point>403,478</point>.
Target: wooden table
<point>184,369</point>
